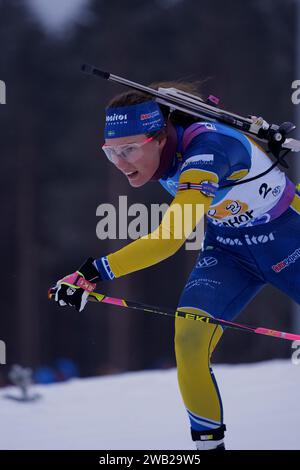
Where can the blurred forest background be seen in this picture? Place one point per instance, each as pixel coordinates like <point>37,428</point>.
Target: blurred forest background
<point>54,175</point>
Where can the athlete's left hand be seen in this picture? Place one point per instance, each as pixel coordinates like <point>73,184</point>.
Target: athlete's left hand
<point>73,290</point>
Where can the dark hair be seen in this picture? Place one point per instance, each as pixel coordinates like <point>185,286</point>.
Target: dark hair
<point>176,117</point>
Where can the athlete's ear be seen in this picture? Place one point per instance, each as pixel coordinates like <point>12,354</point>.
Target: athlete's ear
<point>161,142</point>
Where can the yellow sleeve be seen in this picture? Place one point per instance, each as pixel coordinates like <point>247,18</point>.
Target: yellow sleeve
<point>184,213</point>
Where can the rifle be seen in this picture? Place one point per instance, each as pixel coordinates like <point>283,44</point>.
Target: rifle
<point>273,134</point>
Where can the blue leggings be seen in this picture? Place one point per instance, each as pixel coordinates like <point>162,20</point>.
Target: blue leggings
<point>234,264</point>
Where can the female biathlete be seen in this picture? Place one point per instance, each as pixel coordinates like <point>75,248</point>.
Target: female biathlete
<point>252,236</point>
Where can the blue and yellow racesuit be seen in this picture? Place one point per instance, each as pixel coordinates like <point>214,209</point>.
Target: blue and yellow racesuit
<point>252,238</point>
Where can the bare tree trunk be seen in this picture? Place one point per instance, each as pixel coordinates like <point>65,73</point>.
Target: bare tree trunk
<point>27,317</point>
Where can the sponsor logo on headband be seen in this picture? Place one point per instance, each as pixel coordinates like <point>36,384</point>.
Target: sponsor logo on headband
<point>116,117</point>
<point>149,115</point>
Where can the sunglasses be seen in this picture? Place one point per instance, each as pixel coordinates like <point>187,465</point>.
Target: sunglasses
<point>128,152</point>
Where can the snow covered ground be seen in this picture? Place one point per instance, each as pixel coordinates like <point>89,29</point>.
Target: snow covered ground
<point>143,410</point>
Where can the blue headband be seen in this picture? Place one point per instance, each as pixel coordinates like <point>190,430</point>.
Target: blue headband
<point>135,119</point>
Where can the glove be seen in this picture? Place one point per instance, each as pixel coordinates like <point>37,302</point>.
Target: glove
<point>74,289</point>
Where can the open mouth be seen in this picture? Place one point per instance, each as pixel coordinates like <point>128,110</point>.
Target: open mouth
<point>131,175</point>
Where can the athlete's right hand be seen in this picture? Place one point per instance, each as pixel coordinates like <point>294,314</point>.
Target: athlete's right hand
<point>73,290</point>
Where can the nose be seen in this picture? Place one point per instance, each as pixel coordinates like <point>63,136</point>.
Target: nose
<point>116,159</point>
<point>119,162</point>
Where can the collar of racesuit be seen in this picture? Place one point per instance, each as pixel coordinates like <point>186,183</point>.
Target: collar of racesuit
<point>168,153</point>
